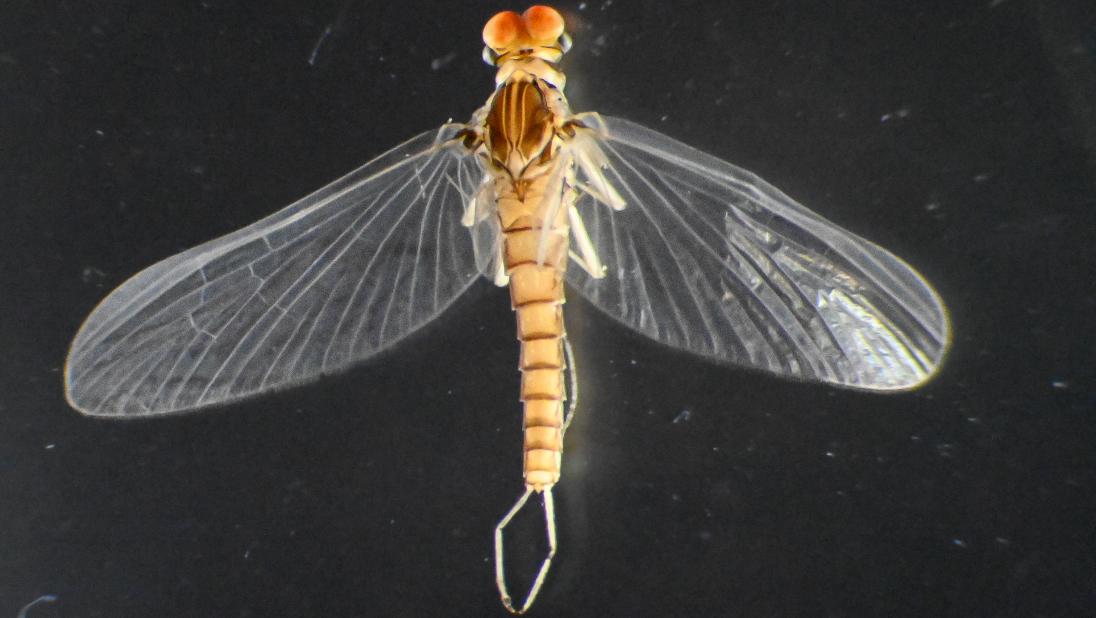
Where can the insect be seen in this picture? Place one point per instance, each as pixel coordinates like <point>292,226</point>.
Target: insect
<point>680,246</point>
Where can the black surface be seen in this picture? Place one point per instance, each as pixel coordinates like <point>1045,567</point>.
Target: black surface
<point>959,135</point>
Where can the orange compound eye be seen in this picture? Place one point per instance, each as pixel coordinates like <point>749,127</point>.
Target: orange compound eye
<point>502,29</point>
<point>543,23</point>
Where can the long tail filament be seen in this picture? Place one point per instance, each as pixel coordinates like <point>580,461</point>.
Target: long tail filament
<point>500,571</point>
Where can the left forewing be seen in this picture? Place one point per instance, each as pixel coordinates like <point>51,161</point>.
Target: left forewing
<point>334,278</point>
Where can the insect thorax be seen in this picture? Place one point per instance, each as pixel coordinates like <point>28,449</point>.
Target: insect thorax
<point>521,123</point>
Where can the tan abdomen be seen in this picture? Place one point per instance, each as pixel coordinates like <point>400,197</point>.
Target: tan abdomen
<point>536,292</point>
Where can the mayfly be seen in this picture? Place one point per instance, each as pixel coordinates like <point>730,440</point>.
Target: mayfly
<point>680,246</point>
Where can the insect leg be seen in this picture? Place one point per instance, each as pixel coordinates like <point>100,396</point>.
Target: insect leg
<point>590,262</point>
<point>501,277</point>
<point>583,147</point>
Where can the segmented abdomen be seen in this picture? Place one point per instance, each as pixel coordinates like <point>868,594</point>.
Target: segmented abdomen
<point>536,293</point>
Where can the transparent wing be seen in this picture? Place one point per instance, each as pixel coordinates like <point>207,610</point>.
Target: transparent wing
<point>329,280</point>
<point>709,258</point>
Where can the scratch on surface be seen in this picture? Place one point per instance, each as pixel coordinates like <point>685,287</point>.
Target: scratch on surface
<point>319,43</point>
<point>45,598</point>
<point>328,30</point>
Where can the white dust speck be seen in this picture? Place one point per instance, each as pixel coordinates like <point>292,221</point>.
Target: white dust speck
<point>51,446</point>
<point>598,45</point>
<point>1060,384</point>
<point>90,274</point>
<point>959,543</point>
<point>899,113</point>
<point>682,417</point>
<point>440,63</point>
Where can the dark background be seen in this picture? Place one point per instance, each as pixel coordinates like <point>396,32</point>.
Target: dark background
<point>960,135</point>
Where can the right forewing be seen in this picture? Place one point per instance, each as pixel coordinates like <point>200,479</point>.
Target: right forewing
<point>331,279</point>
<point>709,258</point>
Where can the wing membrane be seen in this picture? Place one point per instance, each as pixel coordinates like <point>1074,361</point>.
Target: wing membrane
<point>709,258</point>
<point>329,280</point>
